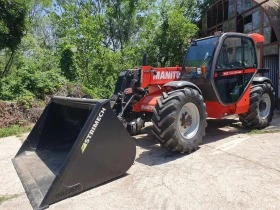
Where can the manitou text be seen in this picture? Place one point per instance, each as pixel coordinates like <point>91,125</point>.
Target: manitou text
<point>167,75</point>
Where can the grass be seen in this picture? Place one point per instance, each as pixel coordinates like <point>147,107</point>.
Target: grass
<point>264,131</point>
<point>7,197</point>
<point>14,130</point>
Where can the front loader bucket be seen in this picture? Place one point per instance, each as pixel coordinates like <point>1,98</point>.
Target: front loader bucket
<point>76,144</point>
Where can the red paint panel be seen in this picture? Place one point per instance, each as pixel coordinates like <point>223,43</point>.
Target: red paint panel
<point>243,104</point>
<point>249,71</point>
<point>159,76</point>
<point>146,104</point>
<point>217,110</point>
<point>234,72</point>
<point>258,38</point>
<point>230,73</point>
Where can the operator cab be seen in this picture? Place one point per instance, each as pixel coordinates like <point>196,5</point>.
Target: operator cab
<point>221,66</point>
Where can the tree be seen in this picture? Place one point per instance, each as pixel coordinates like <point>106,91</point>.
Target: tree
<point>91,41</point>
<point>170,37</point>
<point>68,63</point>
<point>12,22</point>
<point>12,27</point>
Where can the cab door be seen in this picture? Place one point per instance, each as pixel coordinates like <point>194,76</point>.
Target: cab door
<point>235,66</point>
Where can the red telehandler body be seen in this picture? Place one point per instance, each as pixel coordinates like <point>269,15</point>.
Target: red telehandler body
<point>219,77</point>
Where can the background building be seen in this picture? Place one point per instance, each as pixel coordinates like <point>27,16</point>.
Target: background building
<point>248,16</point>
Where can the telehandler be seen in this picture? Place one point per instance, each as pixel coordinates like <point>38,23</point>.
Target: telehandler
<point>78,143</point>
<point>219,77</point>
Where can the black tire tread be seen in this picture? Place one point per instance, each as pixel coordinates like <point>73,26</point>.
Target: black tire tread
<point>164,124</point>
<point>251,119</point>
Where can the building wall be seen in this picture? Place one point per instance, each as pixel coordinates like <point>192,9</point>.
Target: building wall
<point>248,16</point>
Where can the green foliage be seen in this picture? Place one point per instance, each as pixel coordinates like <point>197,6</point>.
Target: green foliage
<point>68,63</point>
<point>203,6</point>
<point>169,39</point>
<point>28,82</point>
<point>90,42</point>
<point>11,131</point>
<point>12,23</point>
<point>101,80</point>
<point>35,72</point>
<point>26,101</point>
<point>264,131</point>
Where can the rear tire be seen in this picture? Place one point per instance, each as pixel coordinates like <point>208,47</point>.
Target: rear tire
<point>261,108</point>
<point>179,120</point>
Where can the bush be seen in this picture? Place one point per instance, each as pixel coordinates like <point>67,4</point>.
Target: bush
<point>26,101</point>
<point>27,83</point>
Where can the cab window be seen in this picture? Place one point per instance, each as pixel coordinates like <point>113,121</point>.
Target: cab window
<point>232,71</point>
<point>230,56</point>
<point>250,60</point>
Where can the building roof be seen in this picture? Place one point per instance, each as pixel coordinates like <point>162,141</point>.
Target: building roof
<point>272,10</point>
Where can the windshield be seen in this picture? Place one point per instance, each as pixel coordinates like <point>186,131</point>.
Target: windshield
<point>200,54</point>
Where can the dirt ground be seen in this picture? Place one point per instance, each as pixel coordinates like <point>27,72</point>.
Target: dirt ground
<point>233,169</point>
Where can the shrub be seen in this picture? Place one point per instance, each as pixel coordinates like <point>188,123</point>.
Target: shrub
<point>26,83</point>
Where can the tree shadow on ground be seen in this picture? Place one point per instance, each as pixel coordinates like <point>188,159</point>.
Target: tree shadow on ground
<point>157,155</point>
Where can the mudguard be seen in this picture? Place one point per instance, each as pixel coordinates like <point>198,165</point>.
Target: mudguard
<point>260,80</point>
<point>182,84</point>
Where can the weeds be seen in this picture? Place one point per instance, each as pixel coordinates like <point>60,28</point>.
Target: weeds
<point>7,197</point>
<point>14,130</point>
<point>263,131</point>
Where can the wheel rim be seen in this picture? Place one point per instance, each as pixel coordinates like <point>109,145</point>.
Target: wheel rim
<point>188,121</point>
<point>264,105</point>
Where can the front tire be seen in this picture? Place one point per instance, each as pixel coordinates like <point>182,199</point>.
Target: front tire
<point>261,108</point>
<point>179,120</point>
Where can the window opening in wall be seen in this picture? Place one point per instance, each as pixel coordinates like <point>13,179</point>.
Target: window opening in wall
<point>225,10</point>
<point>247,4</point>
<point>219,27</point>
<point>204,23</point>
<point>229,25</point>
<point>214,15</point>
<point>273,36</point>
<point>257,31</point>
<point>230,15</point>
<point>247,23</point>
<point>256,18</point>
<point>267,34</point>
<point>231,8</point>
<point>209,18</point>
<point>220,13</point>
<point>265,20</point>
<point>239,6</point>
<point>239,24</point>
